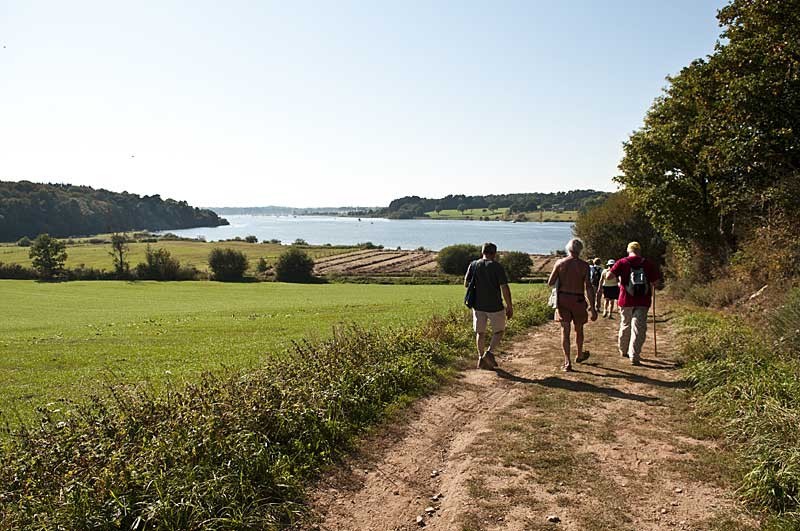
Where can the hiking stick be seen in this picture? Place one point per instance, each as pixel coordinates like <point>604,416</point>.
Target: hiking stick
<point>655,340</point>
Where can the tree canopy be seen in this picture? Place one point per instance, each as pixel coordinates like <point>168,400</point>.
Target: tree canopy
<point>29,209</point>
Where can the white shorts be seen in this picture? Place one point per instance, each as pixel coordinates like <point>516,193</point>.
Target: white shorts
<point>480,319</point>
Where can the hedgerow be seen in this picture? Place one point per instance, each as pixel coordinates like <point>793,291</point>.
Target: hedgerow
<point>232,450</point>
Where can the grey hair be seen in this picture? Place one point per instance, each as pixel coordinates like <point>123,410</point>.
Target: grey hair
<point>574,247</point>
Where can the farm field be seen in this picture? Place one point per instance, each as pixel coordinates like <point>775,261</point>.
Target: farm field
<point>65,339</point>
<point>502,214</point>
<point>188,252</point>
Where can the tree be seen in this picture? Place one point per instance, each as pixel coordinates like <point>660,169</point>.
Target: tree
<point>607,228</point>
<point>48,256</point>
<point>294,265</point>
<point>262,265</point>
<point>251,239</point>
<point>227,264</point>
<point>24,242</point>
<point>454,259</point>
<point>119,251</point>
<point>462,208</point>
<point>516,264</point>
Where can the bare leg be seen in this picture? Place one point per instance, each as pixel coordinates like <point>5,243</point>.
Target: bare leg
<point>494,344</point>
<point>579,338</point>
<point>565,332</point>
<point>480,342</point>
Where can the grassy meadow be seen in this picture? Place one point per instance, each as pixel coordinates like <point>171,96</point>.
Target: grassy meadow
<point>193,253</point>
<point>64,339</point>
<point>502,213</point>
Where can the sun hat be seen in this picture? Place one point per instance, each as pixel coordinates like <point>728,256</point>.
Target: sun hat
<point>610,262</point>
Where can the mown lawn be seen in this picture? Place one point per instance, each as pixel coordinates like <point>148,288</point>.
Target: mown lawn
<point>188,252</point>
<point>66,339</point>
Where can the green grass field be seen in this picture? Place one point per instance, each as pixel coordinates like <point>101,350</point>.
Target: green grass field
<point>502,213</point>
<point>66,339</point>
<point>188,252</point>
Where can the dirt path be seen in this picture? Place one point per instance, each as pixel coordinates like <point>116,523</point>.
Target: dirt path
<point>609,446</point>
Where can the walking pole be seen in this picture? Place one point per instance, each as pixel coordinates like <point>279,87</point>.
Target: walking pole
<point>655,341</point>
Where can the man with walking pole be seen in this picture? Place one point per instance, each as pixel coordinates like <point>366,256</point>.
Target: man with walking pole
<point>638,278</point>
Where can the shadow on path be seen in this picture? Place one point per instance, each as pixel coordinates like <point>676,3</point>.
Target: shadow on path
<point>554,382</point>
<point>638,378</point>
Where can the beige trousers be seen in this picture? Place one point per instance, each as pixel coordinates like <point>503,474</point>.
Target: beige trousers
<point>632,330</point>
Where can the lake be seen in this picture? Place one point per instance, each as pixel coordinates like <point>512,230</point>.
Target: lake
<point>530,237</point>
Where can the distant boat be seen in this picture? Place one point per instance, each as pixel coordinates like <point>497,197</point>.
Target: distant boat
<point>359,219</point>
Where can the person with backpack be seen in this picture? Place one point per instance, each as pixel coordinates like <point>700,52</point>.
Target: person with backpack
<point>595,272</point>
<point>487,285</point>
<point>638,277</point>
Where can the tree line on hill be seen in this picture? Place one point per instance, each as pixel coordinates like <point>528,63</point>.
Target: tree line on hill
<point>414,206</point>
<point>61,210</point>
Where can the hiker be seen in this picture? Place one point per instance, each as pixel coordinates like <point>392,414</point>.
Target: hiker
<point>609,290</point>
<point>637,276</point>
<point>490,282</point>
<point>570,278</point>
<point>595,272</point>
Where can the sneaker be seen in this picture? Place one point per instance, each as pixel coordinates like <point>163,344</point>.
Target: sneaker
<point>583,356</point>
<point>489,356</point>
<point>636,362</point>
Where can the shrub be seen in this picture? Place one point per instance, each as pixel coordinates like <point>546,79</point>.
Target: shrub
<point>718,293</point>
<point>251,239</point>
<point>90,273</point>
<point>227,264</point>
<point>368,245</point>
<point>294,265</point>
<point>17,272</point>
<point>24,242</point>
<point>262,265</point>
<point>158,265</point>
<point>785,324</point>
<point>455,259</point>
<point>48,256</point>
<point>516,264</point>
<point>299,241</point>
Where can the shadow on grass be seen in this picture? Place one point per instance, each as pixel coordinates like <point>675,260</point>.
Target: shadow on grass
<point>574,385</point>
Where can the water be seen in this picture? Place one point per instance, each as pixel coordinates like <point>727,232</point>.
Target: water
<point>530,237</point>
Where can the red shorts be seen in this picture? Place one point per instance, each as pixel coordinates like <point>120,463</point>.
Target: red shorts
<point>572,308</point>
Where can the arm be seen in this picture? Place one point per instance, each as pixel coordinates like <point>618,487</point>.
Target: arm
<point>589,291</point>
<point>507,297</point>
<point>554,275</point>
<point>468,276</point>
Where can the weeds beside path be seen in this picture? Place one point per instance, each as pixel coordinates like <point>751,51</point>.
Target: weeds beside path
<point>609,446</point>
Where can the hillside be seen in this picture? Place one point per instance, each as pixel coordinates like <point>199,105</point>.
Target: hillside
<point>415,206</point>
<point>28,209</point>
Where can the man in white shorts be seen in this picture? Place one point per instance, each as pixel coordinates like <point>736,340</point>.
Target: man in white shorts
<point>490,282</point>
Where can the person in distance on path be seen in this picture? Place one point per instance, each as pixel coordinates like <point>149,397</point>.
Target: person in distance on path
<point>574,288</point>
<point>638,277</point>
<point>491,287</point>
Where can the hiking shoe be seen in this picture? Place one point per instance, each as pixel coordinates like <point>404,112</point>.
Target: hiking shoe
<point>484,363</point>
<point>583,356</point>
<point>636,362</point>
<point>489,356</point>
<point>623,354</point>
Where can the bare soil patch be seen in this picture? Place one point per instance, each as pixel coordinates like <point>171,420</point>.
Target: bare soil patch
<point>610,446</point>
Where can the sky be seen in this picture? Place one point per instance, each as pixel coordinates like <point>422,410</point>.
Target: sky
<point>334,103</point>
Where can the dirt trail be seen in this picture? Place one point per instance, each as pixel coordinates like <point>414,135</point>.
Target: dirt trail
<point>609,446</point>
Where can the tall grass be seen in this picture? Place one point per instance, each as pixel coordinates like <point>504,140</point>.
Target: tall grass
<point>749,382</point>
<point>231,451</point>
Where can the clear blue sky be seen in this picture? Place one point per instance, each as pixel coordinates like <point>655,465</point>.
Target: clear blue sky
<point>330,103</point>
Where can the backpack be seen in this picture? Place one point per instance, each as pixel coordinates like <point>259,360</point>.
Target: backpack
<point>472,291</point>
<point>637,284</point>
<point>594,274</point>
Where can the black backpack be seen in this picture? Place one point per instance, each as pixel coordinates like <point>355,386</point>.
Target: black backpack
<point>594,274</point>
<point>472,290</point>
<point>637,284</point>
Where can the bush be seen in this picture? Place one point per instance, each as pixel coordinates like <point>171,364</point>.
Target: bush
<point>299,241</point>
<point>24,242</point>
<point>717,293</point>
<point>90,273</point>
<point>17,272</point>
<point>294,265</point>
<point>262,265</point>
<point>227,264</point>
<point>368,245</point>
<point>785,325</point>
<point>251,239</point>
<point>516,264</point>
<point>48,256</point>
<point>158,265</point>
<point>455,259</point>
